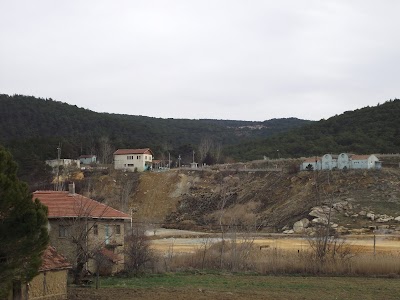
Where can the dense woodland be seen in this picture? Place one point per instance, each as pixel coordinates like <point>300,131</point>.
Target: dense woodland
<point>363,131</point>
<point>32,128</point>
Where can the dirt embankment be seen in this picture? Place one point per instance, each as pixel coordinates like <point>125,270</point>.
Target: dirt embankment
<point>190,199</point>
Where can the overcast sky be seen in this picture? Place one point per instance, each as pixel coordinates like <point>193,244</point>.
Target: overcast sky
<point>242,60</point>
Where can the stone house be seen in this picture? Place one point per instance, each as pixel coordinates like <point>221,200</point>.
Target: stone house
<point>133,159</point>
<point>50,283</point>
<point>79,224</point>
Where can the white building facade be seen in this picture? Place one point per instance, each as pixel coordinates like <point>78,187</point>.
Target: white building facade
<point>133,159</point>
<point>87,159</point>
<point>342,161</point>
<point>65,162</point>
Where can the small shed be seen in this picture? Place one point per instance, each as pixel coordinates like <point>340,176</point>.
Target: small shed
<point>88,159</point>
<point>50,283</point>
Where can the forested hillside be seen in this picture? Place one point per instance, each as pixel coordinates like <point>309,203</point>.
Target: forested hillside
<point>32,128</point>
<point>363,131</point>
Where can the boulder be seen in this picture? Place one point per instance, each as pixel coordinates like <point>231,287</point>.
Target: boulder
<point>371,216</point>
<point>320,211</point>
<point>342,205</point>
<point>397,219</point>
<point>300,226</point>
<point>322,221</point>
<point>288,231</point>
<point>384,218</point>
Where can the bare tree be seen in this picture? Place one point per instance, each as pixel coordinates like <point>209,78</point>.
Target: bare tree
<point>205,146</point>
<point>80,229</point>
<point>127,185</point>
<point>105,150</point>
<point>217,152</point>
<point>326,240</point>
<point>137,251</point>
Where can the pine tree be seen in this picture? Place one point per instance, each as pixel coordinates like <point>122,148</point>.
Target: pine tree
<point>23,228</point>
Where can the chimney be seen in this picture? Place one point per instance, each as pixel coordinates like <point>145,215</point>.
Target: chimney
<point>71,188</point>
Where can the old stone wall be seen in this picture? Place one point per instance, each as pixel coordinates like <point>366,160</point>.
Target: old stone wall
<point>49,285</point>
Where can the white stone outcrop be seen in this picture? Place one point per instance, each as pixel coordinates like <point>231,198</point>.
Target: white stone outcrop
<point>384,219</point>
<point>371,216</point>
<point>320,211</point>
<point>300,226</point>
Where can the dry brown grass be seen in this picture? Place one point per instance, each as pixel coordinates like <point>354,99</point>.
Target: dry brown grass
<point>244,256</point>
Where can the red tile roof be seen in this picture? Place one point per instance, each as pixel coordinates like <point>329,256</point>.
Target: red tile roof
<point>312,159</point>
<point>65,205</point>
<point>51,260</point>
<point>113,257</point>
<point>360,157</point>
<point>133,151</point>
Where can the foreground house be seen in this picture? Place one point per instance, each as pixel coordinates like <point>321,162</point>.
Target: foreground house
<point>133,159</point>
<point>342,161</point>
<point>50,283</point>
<point>80,228</point>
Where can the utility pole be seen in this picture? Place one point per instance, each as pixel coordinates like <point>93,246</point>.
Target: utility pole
<point>179,161</point>
<point>169,160</point>
<point>58,167</point>
<point>193,156</point>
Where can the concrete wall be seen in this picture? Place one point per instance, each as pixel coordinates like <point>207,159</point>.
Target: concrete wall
<point>63,162</point>
<point>49,285</point>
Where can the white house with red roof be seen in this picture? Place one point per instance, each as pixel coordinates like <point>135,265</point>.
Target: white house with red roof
<point>79,223</point>
<point>133,159</point>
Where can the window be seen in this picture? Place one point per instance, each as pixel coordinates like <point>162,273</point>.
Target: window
<point>130,165</point>
<point>138,157</point>
<point>63,231</point>
<point>108,233</point>
<point>95,230</point>
<point>117,229</point>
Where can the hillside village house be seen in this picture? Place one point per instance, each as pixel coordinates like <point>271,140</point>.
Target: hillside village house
<point>341,162</point>
<point>133,159</point>
<point>87,159</point>
<point>65,162</point>
<point>77,222</point>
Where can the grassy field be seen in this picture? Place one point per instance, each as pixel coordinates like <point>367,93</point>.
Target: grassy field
<point>213,286</point>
